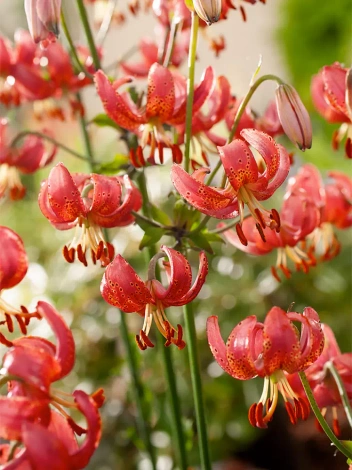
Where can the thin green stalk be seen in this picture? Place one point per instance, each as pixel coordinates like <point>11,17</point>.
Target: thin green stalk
<point>177,427</point>
<point>202,224</point>
<point>22,134</point>
<point>342,391</point>
<point>324,425</point>
<point>191,337</point>
<point>238,116</point>
<point>71,44</point>
<point>190,86</point>
<point>86,138</point>
<point>138,391</point>
<point>89,35</point>
<point>148,221</point>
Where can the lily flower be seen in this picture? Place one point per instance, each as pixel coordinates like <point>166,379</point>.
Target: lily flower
<point>27,159</point>
<point>89,203</point>
<point>13,268</point>
<point>166,104</point>
<point>124,289</point>
<point>269,350</point>
<point>43,17</point>
<point>332,96</point>
<point>247,182</point>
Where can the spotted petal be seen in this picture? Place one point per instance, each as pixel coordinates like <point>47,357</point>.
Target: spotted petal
<point>161,93</point>
<point>13,259</point>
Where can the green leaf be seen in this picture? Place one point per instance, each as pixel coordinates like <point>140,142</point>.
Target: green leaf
<point>213,237</point>
<point>102,120</point>
<point>160,216</point>
<point>112,167</point>
<point>200,241</point>
<point>152,235</point>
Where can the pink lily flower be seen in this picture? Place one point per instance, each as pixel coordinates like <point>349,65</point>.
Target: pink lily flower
<point>268,350</point>
<point>43,18</point>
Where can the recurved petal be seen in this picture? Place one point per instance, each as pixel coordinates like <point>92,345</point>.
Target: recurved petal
<point>199,281</point>
<point>87,407</point>
<point>239,163</point>
<point>106,194</point>
<point>180,278</point>
<point>123,288</point>
<point>115,107</point>
<point>334,77</point>
<point>322,104</point>
<point>44,448</point>
<point>206,199</point>
<point>161,93</point>
<point>217,344</point>
<point>13,259</point>
<point>267,148</point>
<point>65,345</point>
<point>281,347</point>
<point>241,349</point>
<point>63,195</point>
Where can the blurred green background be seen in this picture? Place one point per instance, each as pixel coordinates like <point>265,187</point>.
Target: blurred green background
<point>310,35</point>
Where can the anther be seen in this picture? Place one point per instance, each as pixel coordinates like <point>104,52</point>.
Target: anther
<point>100,249</point>
<point>77,429</point>
<point>140,156</point>
<point>252,414</point>
<point>179,341</point>
<point>348,147</point>
<point>69,254</point>
<point>98,397</point>
<point>241,235</point>
<point>5,341</point>
<point>275,216</point>
<point>261,233</point>
<point>260,218</point>
<point>286,271</point>
<point>275,274</point>
<point>141,345</point>
<point>260,423</point>
<point>291,412</point>
<point>21,324</point>
<point>161,151</point>
<point>176,154</point>
<point>81,255</point>
<point>9,322</point>
<point>146,340</point>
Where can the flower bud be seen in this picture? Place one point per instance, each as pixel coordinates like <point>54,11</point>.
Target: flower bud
<point>293,116</point>
<point>43,17</point>
<point>208,10</point>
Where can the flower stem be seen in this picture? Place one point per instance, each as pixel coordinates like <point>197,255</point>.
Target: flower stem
<point>89,35</point>
<point>73,51</point>
<point>342,391</point>
<point>324,425</point>
<point>238,116</point>
<point>86,138</point>
<point>22,134</point>
<point>190,86</point>
<point>138,391</point>
<point>177,427</point>
<point>197,386</point>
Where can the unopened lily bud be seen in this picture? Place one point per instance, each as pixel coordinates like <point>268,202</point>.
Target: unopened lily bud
<point>43,17</point>
<point>208,10</point>
<point>348,97</point>
<point>293,116</point>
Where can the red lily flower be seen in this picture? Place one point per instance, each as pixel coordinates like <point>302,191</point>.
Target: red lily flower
<point>123,288</point>
<point>332,96</point>
<point>267,350</point>
<point>89,203</point>
<point>247,184</point>
<point>43,18</point>
<point>13,268</point>
<point>166,104</point>
<point>321,381</point>
<point>30,157</point>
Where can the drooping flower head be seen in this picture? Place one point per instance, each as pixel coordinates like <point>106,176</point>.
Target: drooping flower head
<point>13,268</point>
<point>89,203</point>
<point>268,350</point>
<point>248,181</point>
<point>124,289</point>
<point>43,17</point>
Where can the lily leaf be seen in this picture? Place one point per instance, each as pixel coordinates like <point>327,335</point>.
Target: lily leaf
<point>112,167</point>
<point>102,120</point>
<point>152,235</point>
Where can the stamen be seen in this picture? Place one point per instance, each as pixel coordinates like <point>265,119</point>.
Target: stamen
<point>286,271</point>
<point>140,156</point>
<point>243,13</point>
<point>9,322</point>
<point>275,274</point>
<point>260,218</point>
<point>141,345</point>
<point>100,249</point>
<point>146,340</point>
<point>98,397</point>
<point>4,341</point>
<point>75,427</point>
<point>241,235</point>
<point>69,254</point>
<point>21,324</point>
<point>335,422</point>
<point>252,415</point>
<point>177,155</point>
<point>261,233</point>
<point>179,341</point>
<point>161,151</point>
<point>81,255</point>
<point>291,412</point>
<point>276,217</point>
<point>260,423</point>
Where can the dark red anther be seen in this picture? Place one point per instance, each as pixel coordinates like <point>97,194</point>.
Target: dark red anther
<point>177,156</point>
<point>111,251</point>
<point>240,234</point>
<point>205,158</point>
<point>9,322</point>
<point>260,422</point>
<point>140,156</point>
<point>275,216</point>
<point>348,148</point>
<point>260,218</point>
<point>69,254</point>
<point>141,345</point>
<point>275,274</point>
<point>335,140</point>
<point>305,266</point>
<point>133,158</point>
<point>291,412</point>
<point>98,397</point>
<point>146,340</point>
<point>243,13</point>
<point>21,324</point>
<point>81,255</point>
<point>286,271</point>
<point>94,258</point>
<point>336,427</point>
<point>251,415</point>
<point>304,408</point>
<point>161,151</point>
<point>100,249</point>
<point>261,233</point>
<point>179,341</point>
<point>169,334</point>
<point>5,341</point>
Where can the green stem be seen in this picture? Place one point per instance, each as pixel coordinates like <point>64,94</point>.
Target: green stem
<point>71,44</point>
<point>190,86</point>
<point>238,116</point>
<point>148,221</point>
<point>202,224</point>
<point>86,138</point>
<point>138,391</point>
<point>342,391</point>
<point>89,34</point>
<point>22,134</point>
<point>197,387</point>
<point>324,425</point>
<point>177,427</point>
